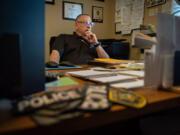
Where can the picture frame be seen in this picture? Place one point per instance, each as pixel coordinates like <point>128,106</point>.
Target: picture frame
<point>97,14</point>
<point>71,10</point>
<point>50,1</point>
<point>151,3</point>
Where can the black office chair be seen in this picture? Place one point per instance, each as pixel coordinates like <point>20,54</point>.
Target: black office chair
<point>51,42</point>
<point>117,49</point>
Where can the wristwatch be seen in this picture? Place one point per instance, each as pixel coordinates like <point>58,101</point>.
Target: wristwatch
<point>99,44</point>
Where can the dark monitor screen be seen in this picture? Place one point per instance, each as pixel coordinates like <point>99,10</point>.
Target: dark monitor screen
<point>22,47</point>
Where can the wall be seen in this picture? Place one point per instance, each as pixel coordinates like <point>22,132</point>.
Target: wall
<point>151,18</point>
<point>55,25</point>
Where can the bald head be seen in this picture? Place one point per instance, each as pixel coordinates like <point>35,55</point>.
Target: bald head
<point>82,24</point>
<point>81,15</point>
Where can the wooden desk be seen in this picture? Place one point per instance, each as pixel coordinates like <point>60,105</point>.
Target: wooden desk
<point>156,101</point>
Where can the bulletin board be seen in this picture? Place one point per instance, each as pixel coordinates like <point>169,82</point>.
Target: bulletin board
<point>128,15</point>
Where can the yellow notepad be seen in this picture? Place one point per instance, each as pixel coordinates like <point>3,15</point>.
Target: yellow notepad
<point>113,61</point>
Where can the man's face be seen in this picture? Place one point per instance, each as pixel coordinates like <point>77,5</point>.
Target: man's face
<point>82,25</point>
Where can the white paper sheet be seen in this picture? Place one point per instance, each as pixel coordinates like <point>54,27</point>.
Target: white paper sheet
<point>126,29</point>
<point>132,72</point>
<point>129,85</point>
<point>118,27</point>
<point>110,79</point>
<point>134,33</point>
<point>86,73</point>
<point>126,15</point>
<point>105,69</point>
<point>118,11</point>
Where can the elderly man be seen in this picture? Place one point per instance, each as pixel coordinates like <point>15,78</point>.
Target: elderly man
<point>80,47</point>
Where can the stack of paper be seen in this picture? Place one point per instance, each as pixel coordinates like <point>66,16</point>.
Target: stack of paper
<point>144,42</point>
<point>113,79</point>
<point>130,84</point>
<point>120,79</point>
<point>135,66</point>
<point>107,62</point>
<point>112,61</point>
<point>89,73</point>
<point>132,72</point>
<point>103,77</point>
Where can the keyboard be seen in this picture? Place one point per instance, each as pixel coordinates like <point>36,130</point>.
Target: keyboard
<point>52,76</point>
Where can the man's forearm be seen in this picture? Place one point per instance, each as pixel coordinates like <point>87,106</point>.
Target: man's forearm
<point>91,38</point>
<point>55,56</point>
<point>101,52</point>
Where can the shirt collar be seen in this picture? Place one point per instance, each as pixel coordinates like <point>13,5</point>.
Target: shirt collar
<point>82,39</point>
<point>76,35</point>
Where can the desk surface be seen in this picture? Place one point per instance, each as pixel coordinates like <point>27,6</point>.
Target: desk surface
<point>156,101</point>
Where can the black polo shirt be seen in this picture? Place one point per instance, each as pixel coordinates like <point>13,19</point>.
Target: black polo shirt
<point>74,49</point>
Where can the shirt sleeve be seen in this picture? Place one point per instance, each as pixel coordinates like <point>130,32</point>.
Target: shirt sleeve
<point>59,43</point>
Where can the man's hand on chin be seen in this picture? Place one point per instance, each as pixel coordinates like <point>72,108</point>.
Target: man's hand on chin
<point>91,37</point>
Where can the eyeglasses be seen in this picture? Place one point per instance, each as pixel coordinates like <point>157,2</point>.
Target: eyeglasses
<point>86,23</point>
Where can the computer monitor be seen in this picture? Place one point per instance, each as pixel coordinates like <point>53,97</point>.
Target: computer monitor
<point>22,47</point>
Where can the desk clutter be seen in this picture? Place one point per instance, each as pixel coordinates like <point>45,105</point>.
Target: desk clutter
<point>125,78</point>
<point>52,107</point>
<point>116,63</point>
<point>64,98</point>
